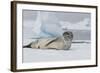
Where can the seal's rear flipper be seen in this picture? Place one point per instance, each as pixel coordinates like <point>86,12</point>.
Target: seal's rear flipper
<point>27,46</point>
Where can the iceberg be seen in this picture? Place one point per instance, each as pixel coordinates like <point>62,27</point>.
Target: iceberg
<point>46,26</point>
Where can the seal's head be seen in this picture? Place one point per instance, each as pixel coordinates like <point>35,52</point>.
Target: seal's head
<point>68,36</point>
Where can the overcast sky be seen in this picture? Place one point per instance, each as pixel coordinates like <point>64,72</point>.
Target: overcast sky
<point>72,17</point>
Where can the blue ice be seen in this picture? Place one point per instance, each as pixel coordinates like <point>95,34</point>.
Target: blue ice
<point>47,25</point>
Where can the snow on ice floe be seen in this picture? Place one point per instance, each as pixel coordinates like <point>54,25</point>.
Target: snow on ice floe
<point>76,52</point>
